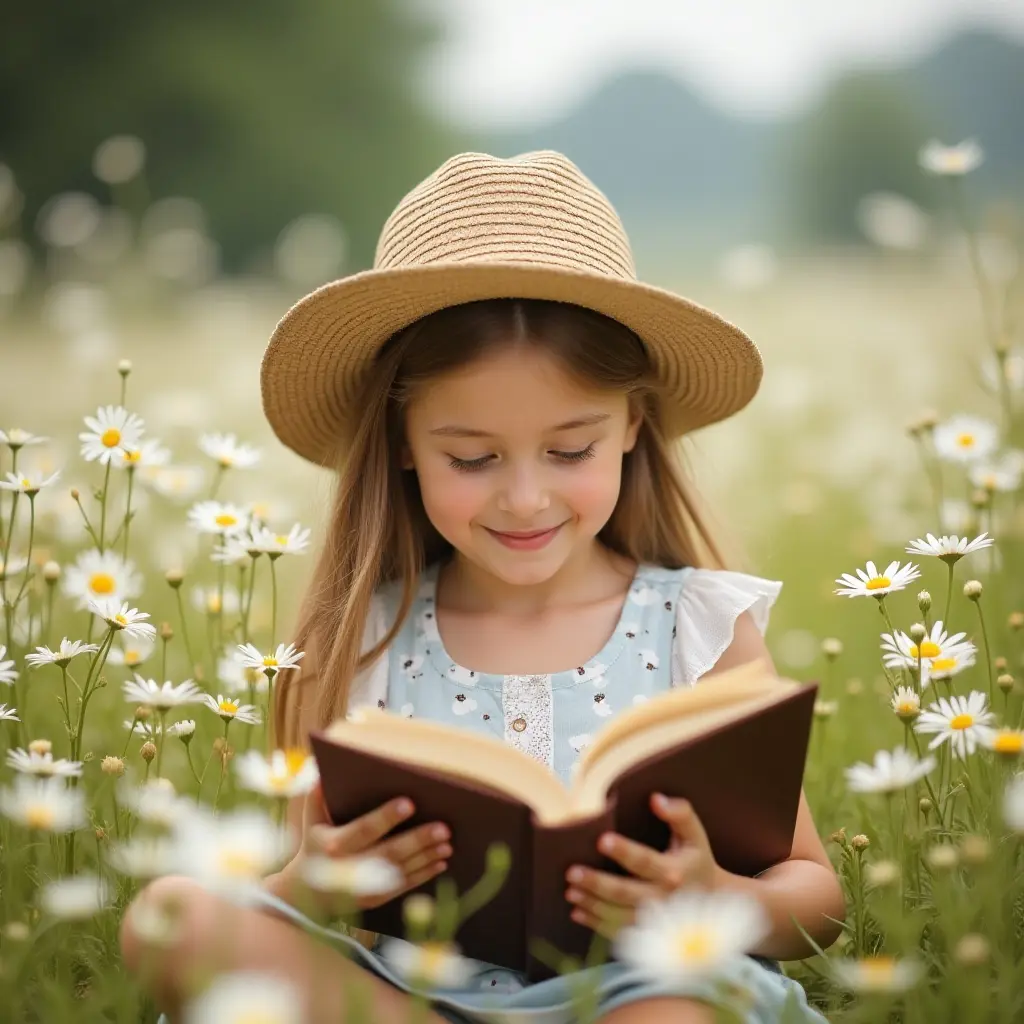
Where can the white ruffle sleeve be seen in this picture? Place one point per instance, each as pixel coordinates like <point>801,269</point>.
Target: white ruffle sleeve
<point>710,602</point>
<point>371,685</point>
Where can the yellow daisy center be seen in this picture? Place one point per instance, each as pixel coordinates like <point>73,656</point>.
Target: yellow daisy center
<point>225,461</point>
<point>966,440</point>
<point>132,456</point>
<point>228,707</point>
<point>270,661</point>
<point>253,675</point>
<point>432,958</point>
<point>25,482</point>
<point>111,437</point>
<point>280,539</point>
<point>989,482</point>
<point>294,759</point>
<point>132,657</point>
<point>121,618</point>
<point>39,816</point>
<point>906,707</point>
<point>696,946</point>
<point>878,583</point>
<point>1008,742</point>
<point>102,583</point>
<point>878,970</point>
<point>943,664</point>
<point>226,519</point>
<point>238,864</point>
<point>213,604</point>
<point>964,721</point>
<point>929,650</point>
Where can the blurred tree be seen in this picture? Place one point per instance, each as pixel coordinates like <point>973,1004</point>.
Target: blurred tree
<point>863,137</point>
<point>260,110</point>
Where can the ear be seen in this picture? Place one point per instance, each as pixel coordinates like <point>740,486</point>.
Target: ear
<point>636,419</point>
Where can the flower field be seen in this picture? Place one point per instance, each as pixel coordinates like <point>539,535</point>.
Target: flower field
<point>154,540</point>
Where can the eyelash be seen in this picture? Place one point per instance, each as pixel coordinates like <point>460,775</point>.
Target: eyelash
<point>471,465</point>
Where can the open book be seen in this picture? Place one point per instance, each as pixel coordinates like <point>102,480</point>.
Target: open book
<point>734,745</point>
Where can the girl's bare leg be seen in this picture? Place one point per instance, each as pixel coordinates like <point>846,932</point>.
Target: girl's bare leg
<point>214,936</point>
<point>661,1011</point>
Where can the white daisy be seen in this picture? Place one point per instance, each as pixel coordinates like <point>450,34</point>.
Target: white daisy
<point>244,997</point>
<point>67,650</point>
<point>876,974</point>
<point>105,576</point>
<point>231,850</point>
<point>232,710</point>
<point>143,856</point>
<point>179,483</point>
<point>13,565</point>
<point>238,677</point>
<point>285,657</point>
<point>949,548</point>
<point>149,729</point>
<point>111,431</point>
<point>156,802</point>
<point>287,773</point>
<point>950,161</point>
<point>889,773</point>
<point>151,694</point>
<point>427,964</point>
<point>1013,804</point>
<point>225,450</point>
<point>128,621</point>
<point>354,876</point>
<point>905,703</point>
<point>294,542</point>
<point>146,454</point>
<point>1008,742</point>
<point>233,549</point>
<point>217,517</point>
<point>44,805</point>
<point>208,601</point>
<point>27,483</point>
<point>17,438</point>
<point>8,673</point>
<point>29,762</point>
<point>872,583</point>
<point>1002,474</point>
<point>183,730</point>
<point>131,651</point>
<point>942,656</point>
<point>963,721</point>
<point>965,438</point>
<point>75,899</point>
<point>8,714</point>
<point>691,934</point>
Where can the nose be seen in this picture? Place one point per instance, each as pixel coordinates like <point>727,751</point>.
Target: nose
<point>524,492</point>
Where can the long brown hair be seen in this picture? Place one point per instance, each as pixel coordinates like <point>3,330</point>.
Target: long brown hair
<point>379,530</point>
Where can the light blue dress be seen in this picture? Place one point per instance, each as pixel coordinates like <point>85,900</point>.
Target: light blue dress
<point>673,627</point>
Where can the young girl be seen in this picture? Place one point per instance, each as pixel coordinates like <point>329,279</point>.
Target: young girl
<point>512,550</point>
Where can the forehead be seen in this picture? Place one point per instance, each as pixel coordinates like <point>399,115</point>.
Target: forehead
<point>515,390</point>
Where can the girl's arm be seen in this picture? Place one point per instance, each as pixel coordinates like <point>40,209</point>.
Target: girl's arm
<point>805,886</point>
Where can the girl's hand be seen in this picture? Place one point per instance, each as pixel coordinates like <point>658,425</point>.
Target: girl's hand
<point>419,854</point>
<point>605,902</point>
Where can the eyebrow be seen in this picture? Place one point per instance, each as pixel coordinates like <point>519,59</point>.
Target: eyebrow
<point>454,430</point>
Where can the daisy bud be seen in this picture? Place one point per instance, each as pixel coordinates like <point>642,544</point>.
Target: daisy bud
<point>924,602</point>
<point>1016,621</point>
<point>860,842</point>
<point>41,747</point>
<point>918,632</point>
<point>972,950</point>
<point>166,632</point>
<point>112,765</point>
<point>51,571</point>
<point>174,578</point>
<point>975,850</point>
<point>101,834</point>
<point>1005,682</point>
<point>142,713</point>
<point>980,498</point>
<point>825,708</point>
<point>1000,664</point>
<point>923,423</point>
<point>124,367</point>
<point>148,751</point>
<point>218,744</point>
<point>418,912</point>
<point>75,495</point>
<point>831,648</point>
<point>942,858</point>
<point>882,873</point>
<point>925,805</point>
<point>972,590</point>
<point>838,837</point>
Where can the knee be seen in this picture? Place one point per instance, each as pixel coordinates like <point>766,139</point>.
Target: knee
<point>168,919</point>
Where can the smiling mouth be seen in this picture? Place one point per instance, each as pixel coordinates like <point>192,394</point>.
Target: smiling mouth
<point>525,540</point>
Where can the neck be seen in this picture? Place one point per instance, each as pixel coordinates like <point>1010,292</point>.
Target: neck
<point>588,575</point>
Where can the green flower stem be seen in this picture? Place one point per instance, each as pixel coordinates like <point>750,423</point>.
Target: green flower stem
<point>217,480</point>
<point>7,557</point>
<point>131,733</point>
<point>248,604</point>
<point>184,630</point>
<point>85,518</point>
<point>988,652</point>
<point>223,763</point>
<point>904,671</point>
<point>221,568</point>
<point>192,767</point>
<point>162,715</point>
<point>28,553</point>
<point>103,506</point>
<point>67,705</point>
<point>950,566</point>
<point>273,602</point>
<point>128,511</point>
<point>269,730</point>
<point>928,782</point>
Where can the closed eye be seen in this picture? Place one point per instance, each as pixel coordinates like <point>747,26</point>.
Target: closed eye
<point>471,465</point>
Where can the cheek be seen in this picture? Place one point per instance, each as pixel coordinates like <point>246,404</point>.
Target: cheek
<point>592,490</point>
<point>451,498</point>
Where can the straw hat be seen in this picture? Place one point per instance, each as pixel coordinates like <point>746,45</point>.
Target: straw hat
<point>480,227</point>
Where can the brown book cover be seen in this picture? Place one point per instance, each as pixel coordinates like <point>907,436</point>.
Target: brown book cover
<point>743,779</point>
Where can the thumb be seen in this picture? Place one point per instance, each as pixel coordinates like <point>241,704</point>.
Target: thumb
<point>680,816</point>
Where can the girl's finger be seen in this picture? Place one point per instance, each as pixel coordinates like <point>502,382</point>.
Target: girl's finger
<point>423,858</point>
<point>612,913</point>
<point>424,874</point>
<point>595,924</point>
<point>642,861</point>
<point>400,848</point>
<point>625,892</point>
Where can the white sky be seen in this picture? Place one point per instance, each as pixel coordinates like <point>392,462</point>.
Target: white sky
<point>522,61</point>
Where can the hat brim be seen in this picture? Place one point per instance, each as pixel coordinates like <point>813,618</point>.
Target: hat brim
<point>314,364</point>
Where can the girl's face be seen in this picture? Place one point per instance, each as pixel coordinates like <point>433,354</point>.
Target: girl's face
<point>519,464</point>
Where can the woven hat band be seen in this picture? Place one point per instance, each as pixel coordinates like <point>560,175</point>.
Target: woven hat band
<point>534,209</point>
